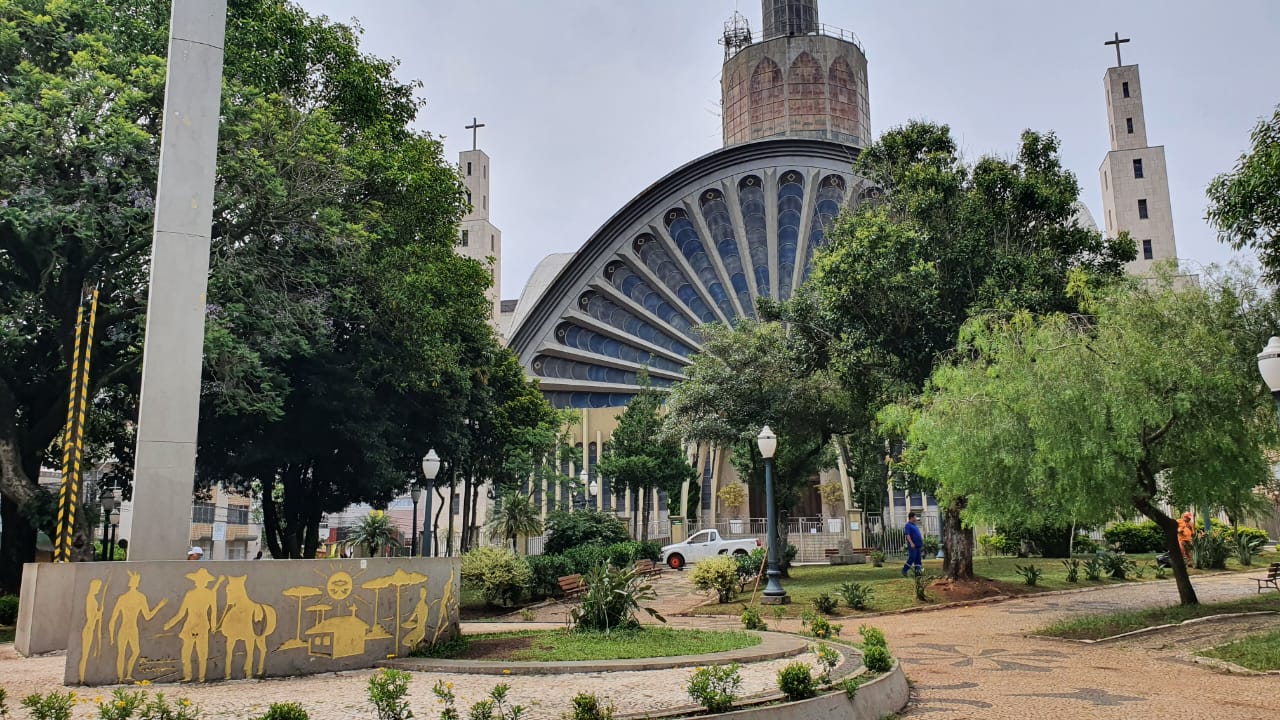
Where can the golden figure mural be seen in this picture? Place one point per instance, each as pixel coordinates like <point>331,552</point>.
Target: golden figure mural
<point>129,607</point>
<point>248,622</point>
<point>200,610</point>
<point>446,600</point>
<point>417,622</point>
<point>91,633</point>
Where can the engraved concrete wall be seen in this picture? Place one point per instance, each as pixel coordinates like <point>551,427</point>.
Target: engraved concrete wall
<point>178,621</point>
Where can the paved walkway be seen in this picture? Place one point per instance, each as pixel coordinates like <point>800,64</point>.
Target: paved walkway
<point>967,662</point>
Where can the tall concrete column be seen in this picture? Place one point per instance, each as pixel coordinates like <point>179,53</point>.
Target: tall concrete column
<point>173,349</point>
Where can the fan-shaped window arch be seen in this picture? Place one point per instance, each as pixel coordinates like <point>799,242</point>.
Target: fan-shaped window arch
<point>715,212</point>
<point>790,207</point>
<point>565,369</point>
<point>826,207</point>
<point>611,313</point>
<point>685,236</point>
<point>563,399</point>
<point>751,203</point>
<point>575,336</point>
<point>655,257</point>
<point>636,287</point>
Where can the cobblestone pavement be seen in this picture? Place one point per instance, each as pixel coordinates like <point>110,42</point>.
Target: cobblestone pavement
<point>965,662</point>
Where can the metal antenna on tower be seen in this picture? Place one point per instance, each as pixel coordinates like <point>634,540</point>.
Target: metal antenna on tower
<point>737,34</point>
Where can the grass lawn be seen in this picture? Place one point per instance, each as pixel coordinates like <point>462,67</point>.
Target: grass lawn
<point>564,645</point>
<point>894,592</point>
<point>1093,627</point>
<point>1256,652</point>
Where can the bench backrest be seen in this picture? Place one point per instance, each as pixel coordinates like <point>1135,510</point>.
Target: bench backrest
<point>570,582</point>
<point>644,566</point>
<point>1273,572</point>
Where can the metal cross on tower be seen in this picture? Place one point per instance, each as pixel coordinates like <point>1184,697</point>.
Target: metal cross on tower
<point>1117,42</point>
<point>475,126</point>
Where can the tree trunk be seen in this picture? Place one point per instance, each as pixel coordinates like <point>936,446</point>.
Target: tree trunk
<point>645,503</point>
<point>957,542</point>
<point>448,539</point>
<point>17,546</point>
<point>1169,527</point>
<point>475,503</point>
<point>464,543</point>
<point>435,523</point>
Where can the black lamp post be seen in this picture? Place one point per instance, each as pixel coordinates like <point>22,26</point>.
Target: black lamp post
<point>108,501</point>
<point>773,592</point>
<point>415,493</point>
<point>114,516</point>
<point>430,468</point>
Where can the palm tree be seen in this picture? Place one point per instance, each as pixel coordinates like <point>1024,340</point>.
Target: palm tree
<point>515,516</point>
<point>374,532</point>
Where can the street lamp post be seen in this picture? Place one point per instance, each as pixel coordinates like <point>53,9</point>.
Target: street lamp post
<point>585,478</point>
<point>430,468</point>
<point>773,592</point>
<point>108,501</point>
<point>114,517</point>
<point>415,493</point>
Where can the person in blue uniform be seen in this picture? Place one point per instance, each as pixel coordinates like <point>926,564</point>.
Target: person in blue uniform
<point>915,545</point>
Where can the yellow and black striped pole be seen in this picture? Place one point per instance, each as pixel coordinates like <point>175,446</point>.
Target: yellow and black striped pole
<point>73,438</point>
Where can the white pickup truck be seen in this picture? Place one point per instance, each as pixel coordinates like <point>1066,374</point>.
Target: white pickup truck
<point>704,544</point>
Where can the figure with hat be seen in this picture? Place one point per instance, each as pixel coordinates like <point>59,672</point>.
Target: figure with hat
<point>1186,531</point>
<point>199,616</point>
<point>195,553</point>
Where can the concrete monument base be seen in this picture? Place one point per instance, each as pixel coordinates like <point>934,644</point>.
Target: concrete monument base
<point>46,587</point>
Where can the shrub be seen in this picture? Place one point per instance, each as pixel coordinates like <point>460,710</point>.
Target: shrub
<point>1073,569</point>
<point>1135,537</point>
<point>750,566</point>
<point>387,691</point>
<point>856,595</point>
<point>1084,545</point>
<point>611,600</point>
<point>990,545</point>
<point>157,708</point>
<point>284,711</point>
<point>500,575</point>
<point>1246,546</point>
<point>877,558</point>
<point>921,582</point>
<point>851,685</point>
<point>877,658</point>
<point>4,703</point>
<point>751,619</point>
<point>1094,567</point>
<point>1210,551</point>
<point>825,604</point>
<point>817,626</point>
<point>719,575</point>
<point>1116,565</point>
<point>828,658</point>
<point>54,706</point>
<point>1030,573</point>
<point>495,706</point>
<point>715,687</point>
<point>444,695</point>
<point>930,547</point>
<point>627,553</point>
<point>122,705</point>
<point>872,636</point>
<point>1261,535</point>
<point>589,707</point>
<point>788,557</point>
<point>1161,570</point>
<point>585,557</point>
<point>566,530</point>
<point>528,615</point>
<point>8,609</point>
<point>796,681</point>
<point>545,571</point>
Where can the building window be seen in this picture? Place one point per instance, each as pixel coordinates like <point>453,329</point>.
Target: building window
<point>235,553</point>
<point>202,513</point>
<point>238,514</point>
<point>1106,183</point>
<point>484,200</point>
<point>468,169</point>
<point>465,237</point>
<point>484,171</point>
<point>1124,88</point>
<point>492,243</point>
<point>1142,209</point>
<point>1128,124</point>
<point>1108,219</point>
<point>1137,168</point>
<point>1146,250</point>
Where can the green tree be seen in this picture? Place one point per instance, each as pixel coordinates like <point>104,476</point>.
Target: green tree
<point>936,240</point>
<point>1152,397</point>
<point>373,533</point>
<point>641,458</point>
<point>516,515</point>
<point>1244,204</point>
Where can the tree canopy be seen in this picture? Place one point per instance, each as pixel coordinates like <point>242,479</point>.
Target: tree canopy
<point>1244,204</point>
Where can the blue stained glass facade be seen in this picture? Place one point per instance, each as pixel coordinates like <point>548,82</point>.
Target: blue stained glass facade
<point>576,336</point>
<point>790,207</point>
<point>562,399</point>
<point>634,286</point>
<point>751,203</point>
<point>826,206</point>
<point>610,313</point>
<point>655,257</point>
<point>715,212</point>
<point>555,367</point>
<point>685,236</point>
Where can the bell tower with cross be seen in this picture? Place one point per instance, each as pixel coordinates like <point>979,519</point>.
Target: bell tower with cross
<point>477,237</point>
<point>1133,176</point>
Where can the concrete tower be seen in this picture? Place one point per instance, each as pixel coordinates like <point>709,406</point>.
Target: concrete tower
<point>478,238</point>
<point>801,79</point>
<point>1135,181</point>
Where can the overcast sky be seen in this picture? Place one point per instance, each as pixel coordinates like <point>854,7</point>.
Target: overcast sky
<point>588,102</point>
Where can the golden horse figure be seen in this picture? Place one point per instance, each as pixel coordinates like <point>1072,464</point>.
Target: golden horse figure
<point>248,622</point>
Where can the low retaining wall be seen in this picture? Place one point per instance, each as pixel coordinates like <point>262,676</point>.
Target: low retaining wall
<point>882,696</point>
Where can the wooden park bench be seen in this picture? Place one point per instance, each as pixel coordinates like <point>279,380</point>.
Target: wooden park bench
<point>1272,578</point>
<point>571,586</point>
<point>648,568</point>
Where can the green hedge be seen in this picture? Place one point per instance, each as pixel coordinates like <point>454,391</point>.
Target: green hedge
<point>1140,537</point>
<point>548,569</point>
<point>8,609</point>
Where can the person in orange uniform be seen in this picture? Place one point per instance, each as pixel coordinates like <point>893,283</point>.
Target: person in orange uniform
<point>1186,530</point>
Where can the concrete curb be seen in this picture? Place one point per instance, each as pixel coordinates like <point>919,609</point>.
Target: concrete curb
<point>773,646</point>
<point>1224,666</point>
<point>1154,628</point>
